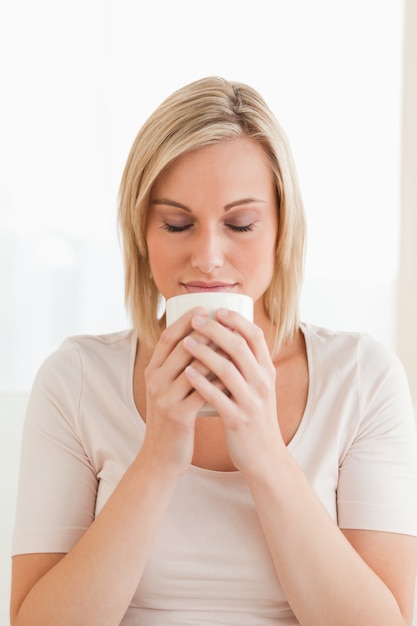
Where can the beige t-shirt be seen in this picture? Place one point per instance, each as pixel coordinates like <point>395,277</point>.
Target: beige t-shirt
<point>210,563</point>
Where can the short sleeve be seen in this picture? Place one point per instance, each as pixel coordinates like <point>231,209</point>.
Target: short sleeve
<point>57,483</point>
<point>378,475</point>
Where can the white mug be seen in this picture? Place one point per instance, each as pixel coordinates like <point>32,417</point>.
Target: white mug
<point>239,302</point>
<point>178,305</point>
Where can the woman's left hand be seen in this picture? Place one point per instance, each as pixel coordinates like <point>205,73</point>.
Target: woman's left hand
<point>244,367</point>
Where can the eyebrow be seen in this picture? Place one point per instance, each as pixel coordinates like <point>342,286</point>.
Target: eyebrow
<point>227,207</point>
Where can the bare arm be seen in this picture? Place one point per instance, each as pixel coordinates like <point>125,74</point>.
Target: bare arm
<point>83,587</point>
<point>329,576</point>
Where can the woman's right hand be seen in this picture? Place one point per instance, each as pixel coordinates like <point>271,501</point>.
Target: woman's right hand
<point>172,404</point>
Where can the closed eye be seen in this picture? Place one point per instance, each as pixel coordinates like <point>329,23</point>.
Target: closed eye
<point>171,228</point>
<point>241,229</point>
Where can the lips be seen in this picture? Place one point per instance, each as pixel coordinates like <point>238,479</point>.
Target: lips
<point>198,286</point>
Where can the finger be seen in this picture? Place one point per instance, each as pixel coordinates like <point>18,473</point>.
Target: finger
<point>170,358</point>
<point>222,368</point>
<point>252,333</point>
<point>233,344</point>
<point>172,335</point>
<point>213,393</point>
<point>181,387</point>
<point>183,398</point>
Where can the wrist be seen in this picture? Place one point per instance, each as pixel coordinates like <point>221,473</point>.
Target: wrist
<point>148,467</point>
<point>274,476</point>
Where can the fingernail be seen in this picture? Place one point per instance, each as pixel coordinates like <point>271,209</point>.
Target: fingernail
<point>223,312</point>
<point>190,371</point>
<point>199,321</point>
<point>190,342</point>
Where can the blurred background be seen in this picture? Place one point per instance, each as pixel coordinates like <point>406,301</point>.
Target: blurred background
<point>78,80</point>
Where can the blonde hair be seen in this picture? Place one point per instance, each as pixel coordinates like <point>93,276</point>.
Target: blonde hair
<point>205,112</point>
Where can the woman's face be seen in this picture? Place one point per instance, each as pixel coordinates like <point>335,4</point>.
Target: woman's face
<point>213,221</point>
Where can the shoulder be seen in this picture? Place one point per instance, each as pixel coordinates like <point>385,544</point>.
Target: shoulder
<point>360,349</point>
<point>75,372</point>
<point>93,347</point>
<point>82,355</point>
<point>360,365</point>
<point>90,345</point>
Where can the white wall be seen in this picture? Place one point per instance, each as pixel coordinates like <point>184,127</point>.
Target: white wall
<point>81,77</point>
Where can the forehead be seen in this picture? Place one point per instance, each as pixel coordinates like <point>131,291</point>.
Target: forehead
<point>235,162</point>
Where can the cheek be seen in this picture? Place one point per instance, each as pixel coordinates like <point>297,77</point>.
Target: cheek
<point>163,258</point>
<point>260,254</point>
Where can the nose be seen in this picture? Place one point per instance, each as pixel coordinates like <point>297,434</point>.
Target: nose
<point>207,253</point>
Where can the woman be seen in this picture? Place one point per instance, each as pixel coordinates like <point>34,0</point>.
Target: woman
<point>296,504</point>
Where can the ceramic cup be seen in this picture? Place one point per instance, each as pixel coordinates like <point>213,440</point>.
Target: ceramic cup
<point>178,305</point>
